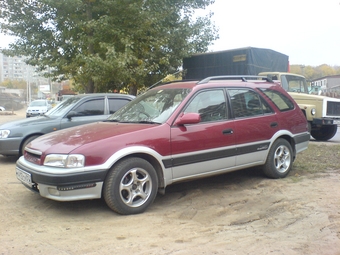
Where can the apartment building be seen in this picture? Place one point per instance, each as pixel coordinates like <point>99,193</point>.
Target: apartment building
<point>15,68</point>
<point>327,85</point>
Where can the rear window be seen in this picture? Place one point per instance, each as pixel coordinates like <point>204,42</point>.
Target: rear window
<point>280,100</point>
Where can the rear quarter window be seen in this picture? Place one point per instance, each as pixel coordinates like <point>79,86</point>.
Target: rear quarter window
<point>282,102</point>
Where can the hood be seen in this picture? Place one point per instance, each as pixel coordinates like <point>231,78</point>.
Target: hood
<point>36,108</point>
<point>27,122</point>
<point>67,140</point>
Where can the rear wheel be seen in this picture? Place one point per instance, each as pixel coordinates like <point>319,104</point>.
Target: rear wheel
<point>280,159</point>
<point>324,133</point>
<point>27,141</point>
<point>130,186</point>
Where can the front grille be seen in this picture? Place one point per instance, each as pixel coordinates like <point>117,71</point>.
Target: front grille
<point>333,109</point>
<point>33,158</point>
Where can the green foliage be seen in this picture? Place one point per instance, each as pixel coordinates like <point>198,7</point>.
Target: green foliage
<point>14,84</point>
<point>107,44</point>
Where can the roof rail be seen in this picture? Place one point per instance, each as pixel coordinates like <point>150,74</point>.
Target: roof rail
<point>235,77</point>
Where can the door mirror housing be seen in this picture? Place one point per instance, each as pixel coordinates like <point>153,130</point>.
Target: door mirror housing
<point>188,118</point>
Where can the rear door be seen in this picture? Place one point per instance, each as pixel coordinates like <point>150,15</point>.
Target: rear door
<point>255,124</point>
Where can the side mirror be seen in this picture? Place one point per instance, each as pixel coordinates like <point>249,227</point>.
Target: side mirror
<point>188,118</point>
<point>71,114</point>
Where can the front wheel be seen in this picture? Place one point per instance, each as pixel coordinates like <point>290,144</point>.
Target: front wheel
<point>280,159</point>
<point>130,186</point>
<point>26,141</point>
<point>324,133</point>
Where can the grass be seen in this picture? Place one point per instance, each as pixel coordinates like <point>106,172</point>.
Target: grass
<point>318,158</point>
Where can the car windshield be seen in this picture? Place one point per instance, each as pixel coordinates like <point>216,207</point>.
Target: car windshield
<point>38,103</point>
<point>63,108</point>
<point>293,83</point>
<point>155,106</point>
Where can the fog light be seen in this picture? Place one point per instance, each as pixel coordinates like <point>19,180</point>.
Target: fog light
<point>53,191</point>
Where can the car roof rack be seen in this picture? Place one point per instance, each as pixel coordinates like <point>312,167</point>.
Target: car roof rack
<point>235,77</point>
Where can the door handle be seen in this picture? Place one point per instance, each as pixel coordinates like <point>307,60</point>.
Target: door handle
<point>227,131</point>
<point>273,124</point>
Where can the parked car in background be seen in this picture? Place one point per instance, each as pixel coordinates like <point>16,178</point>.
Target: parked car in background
<point>65,97</point>
<point>78,110</point>
<point>172,133</point>
<point>38,107</point>
<point>2,109</point>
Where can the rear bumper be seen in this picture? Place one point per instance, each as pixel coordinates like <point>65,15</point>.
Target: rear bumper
<point>301,142</point>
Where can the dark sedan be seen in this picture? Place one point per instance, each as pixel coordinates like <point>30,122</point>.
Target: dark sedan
<point>78,110</point>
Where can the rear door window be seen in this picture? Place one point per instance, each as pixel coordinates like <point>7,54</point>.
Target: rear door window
<point>246,103</point>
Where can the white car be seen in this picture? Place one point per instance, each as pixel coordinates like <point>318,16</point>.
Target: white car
<point>38,107</point>
<point>2,109</point>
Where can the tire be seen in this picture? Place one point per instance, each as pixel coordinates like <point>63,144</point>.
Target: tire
<point>130,186</point>
<point>324,133</point>
<point>280,159</point>
<point>309,127</point>
<point>26,141</point>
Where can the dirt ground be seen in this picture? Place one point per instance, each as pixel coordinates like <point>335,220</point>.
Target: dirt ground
<point>237,213</point>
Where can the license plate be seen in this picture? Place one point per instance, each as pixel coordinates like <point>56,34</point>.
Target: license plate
<point>24,177</point>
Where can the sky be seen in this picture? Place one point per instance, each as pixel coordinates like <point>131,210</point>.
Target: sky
<point>308,31</point>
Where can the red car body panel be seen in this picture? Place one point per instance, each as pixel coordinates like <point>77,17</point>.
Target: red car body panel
<point>98,141</point>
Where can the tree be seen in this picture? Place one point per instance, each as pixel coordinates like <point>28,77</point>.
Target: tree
<point>315,72</point>
<point>107,44</point>
<point>14,84</point>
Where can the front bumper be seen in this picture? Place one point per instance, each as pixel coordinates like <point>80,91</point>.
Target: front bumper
<point>323,121</point>
<point>67,185</point>
<point>31,114</point>
<point>10,146</point>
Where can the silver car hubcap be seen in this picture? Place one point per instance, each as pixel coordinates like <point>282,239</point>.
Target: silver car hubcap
<point>135,187</point>
<point>282,159</point>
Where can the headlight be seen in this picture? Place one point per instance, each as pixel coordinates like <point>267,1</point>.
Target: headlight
<point>4,133</point>
<point>313,111</point>
<point>69,161</point>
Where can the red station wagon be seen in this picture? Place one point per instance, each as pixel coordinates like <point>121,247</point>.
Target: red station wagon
<point>172,133</point>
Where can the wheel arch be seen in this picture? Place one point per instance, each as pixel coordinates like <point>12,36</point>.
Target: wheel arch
<point>23,141</point>
<point>291,141</point>
<point>152,160</point>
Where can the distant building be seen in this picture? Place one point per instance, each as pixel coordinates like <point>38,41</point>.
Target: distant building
<point>15,68</point>
<point>327,85</point>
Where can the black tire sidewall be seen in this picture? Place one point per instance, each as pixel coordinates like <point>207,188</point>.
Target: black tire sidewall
<point>111,190</point>
<point>269,168</point>
<point>27,141</point>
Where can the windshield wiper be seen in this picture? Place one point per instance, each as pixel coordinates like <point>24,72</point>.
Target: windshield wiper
<point>114,120</point>
<point>147,122</point>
